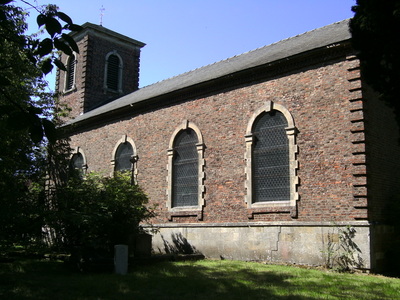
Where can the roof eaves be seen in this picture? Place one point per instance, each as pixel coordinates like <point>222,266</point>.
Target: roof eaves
<point>284,49</point>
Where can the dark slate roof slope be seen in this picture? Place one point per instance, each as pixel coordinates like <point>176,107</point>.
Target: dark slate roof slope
<point>317,38</point>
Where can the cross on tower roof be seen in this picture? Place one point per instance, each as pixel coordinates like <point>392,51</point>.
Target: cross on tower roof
<point>102,9</point>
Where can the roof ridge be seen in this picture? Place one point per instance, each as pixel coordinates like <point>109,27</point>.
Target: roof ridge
<point>289,47</point>
<point>247,52</point>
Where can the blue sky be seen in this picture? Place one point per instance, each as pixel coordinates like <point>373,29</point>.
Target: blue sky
<point>182,35</point>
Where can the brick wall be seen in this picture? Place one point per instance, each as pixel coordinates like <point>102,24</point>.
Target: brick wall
<point>97,49</point>
<point>320,100</point>
<point>89,80</point>
<point>74,99</point>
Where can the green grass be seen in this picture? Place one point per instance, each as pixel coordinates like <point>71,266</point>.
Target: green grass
<point>190,280</point>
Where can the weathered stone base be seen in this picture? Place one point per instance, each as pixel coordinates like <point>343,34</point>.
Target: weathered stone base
<point>306,243</point>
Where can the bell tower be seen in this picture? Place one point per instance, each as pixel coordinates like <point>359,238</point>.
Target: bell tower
<point>106,68</point>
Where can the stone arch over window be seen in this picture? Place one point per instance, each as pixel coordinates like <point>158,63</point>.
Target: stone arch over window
<point>78,161</point>
<point>70,73</point>
<point>113,72</point>
<point>186,171</point>
<point>271,161</point>
<point>124,157</point>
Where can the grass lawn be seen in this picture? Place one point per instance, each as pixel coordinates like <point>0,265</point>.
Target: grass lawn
<point>207,279</point>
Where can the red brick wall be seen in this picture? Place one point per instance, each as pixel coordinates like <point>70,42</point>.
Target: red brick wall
<point>97,49</point>
<point>75,98</point>
<point>319,100</point>
<point>90,69</point>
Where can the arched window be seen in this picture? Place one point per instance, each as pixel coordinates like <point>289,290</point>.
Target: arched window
<point>123,157</point>
<point>271,158</point>
<point>113,72</point>
<point>186,171</point>
<point>271,170</point>
<point>70,74</point>
<point>77,163</point>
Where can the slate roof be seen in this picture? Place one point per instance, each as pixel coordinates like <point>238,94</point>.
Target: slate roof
<point>317,38</point>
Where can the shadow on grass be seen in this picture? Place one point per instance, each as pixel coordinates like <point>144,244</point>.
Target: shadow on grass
<point>166,280</point>
<point>183,280</point>
<point>196,281</point>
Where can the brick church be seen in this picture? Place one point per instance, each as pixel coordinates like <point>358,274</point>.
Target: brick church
<point>268,155</point>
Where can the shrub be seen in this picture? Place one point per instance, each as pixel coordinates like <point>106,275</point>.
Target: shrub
<point>97,212</point>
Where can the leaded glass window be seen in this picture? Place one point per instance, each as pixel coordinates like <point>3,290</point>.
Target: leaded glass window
<point>123,157</point>
<point>271,167</point>
<point>77,161</point>
<point>185,169</point>
<point>76,164</point>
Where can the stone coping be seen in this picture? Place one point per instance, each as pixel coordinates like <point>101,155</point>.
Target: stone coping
<point>263,224</point>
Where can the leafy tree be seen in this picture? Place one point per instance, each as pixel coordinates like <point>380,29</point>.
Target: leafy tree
<point>25,60</point>
<point>36,190</point>
<point>26,110</point>
<point>375,32</point>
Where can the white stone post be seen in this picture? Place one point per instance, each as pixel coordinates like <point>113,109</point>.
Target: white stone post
<point>121,259</point>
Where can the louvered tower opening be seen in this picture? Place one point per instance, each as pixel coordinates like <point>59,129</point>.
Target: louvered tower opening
<point>113,72</point>
<point>70,73</point>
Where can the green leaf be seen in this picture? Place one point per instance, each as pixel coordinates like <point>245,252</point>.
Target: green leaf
<point>41,20</point>
<point>60,45</point>
<point>5,1</point>
<point>31,57</point>
<point>34,110</point>
<point>47,66</point>
<point>71,42</point>
<point>4,81</point>
<point>53,26</point>
<point>45,47</point>
<point>18,120</point>
<point>59,64</point>
<point>75,27</point>
<point>6,109</point>
<point>64,17</point>
<point>36,130</point>
<point>49,130</point>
